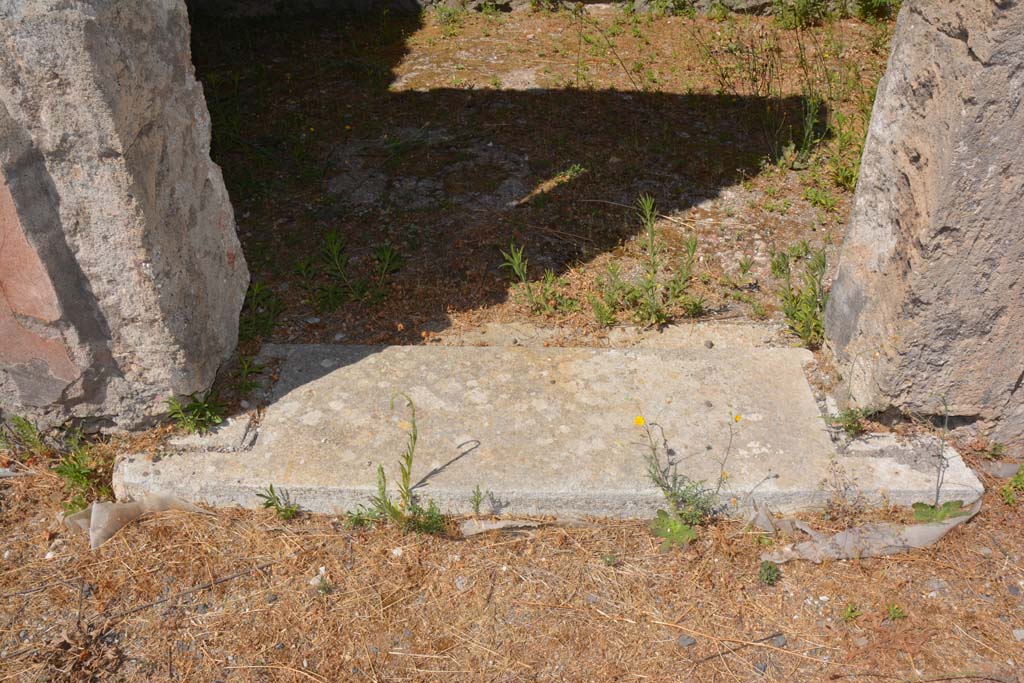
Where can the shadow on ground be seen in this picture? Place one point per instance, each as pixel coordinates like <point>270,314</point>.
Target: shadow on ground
<point>321,145</point>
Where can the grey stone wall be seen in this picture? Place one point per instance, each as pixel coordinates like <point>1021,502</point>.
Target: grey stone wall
<point>121,277</point>
<point>929,299</point>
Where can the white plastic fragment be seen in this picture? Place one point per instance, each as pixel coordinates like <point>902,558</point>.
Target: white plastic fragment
<point>103,520</point>
<point>868,540</point>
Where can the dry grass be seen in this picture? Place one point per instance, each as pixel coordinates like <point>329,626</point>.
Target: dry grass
<point>229,597</point>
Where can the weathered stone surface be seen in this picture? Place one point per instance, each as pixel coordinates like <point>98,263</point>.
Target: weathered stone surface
<point>121,276</point>
<point>546,430</point>
<point>928,303</point>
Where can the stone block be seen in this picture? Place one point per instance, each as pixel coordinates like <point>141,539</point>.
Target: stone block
<point>928,303</point>
<point>121,276</point>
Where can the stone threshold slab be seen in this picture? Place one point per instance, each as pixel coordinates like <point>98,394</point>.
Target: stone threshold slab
<point>547,431</point>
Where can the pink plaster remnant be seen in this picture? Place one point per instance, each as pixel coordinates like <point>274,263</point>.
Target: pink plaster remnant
<point>26,290</point>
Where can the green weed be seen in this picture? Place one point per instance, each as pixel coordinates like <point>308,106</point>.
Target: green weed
<point>691,503</point>
<point>851,420</point>
<point>672,530</point>
<point>247,369</point>
<point>803,305</point>
<point>201,413</point>
<point>21,437</point>
<point>850,613</point>
<point>449,18</point>
<point>407,513</point>
<point>877,10</point>
<point>84,476</point>
<point>820,198</point>
<point>259,312</point>
<point>769,573</point>
<point>1010,489</point>
<point>894,612</point>
<point>795,14</point>
<point>651,309</point>
<point>279,502</point>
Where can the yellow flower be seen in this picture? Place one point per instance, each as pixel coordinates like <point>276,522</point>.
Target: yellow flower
<point>639,421</point>
<point>735,418</point>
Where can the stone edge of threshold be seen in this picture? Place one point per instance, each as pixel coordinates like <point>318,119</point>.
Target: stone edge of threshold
<point>133,477</point>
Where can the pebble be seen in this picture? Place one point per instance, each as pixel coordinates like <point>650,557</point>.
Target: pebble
<point>1014,590</point>
<point>985,551</point>
<point>778,641</point>
<point>202,609</point>
<point>461,582</point>
<point>709,344</point>
<point>1018,634</point>
<point>271,598</point>
<point>313,321</point>
<point>397,552</point>
<point>686,641</point>
<point>761,667</point>
<point>339,336</point>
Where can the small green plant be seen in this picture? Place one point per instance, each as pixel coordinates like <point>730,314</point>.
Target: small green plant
<point>894,612</point>
<point>407,513</point>
<point>83,474</point>
<point>672,530</point>
<point>769,573</point>
<point>279,502</point>
<point>1010,489</point>
<point>850,613</point>
<point>259,312</point>
<point>746,263</point>
<point>877,10</point>
<point>693,307</point>
<point>603,312</point>
<point>996,451</point>
<point>22,437</point>
<point>574,171</point>
<point>820,198</point>
<point>612,292</point>
<point>691,503</point>
<point>449,18</point>
<point>651,308</point>
<point>794,14</point>
<point>247,370</point>
<point>803,305</point>
<point>388,261</point>
<point>924,512</point>
<point>201,413</point>
<point>851,420</point>
<point>477,499</point>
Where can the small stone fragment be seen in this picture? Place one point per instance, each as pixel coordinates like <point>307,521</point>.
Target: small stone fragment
<point>686,641</point>
<point>1018,634</point>
<point>778,641</point>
